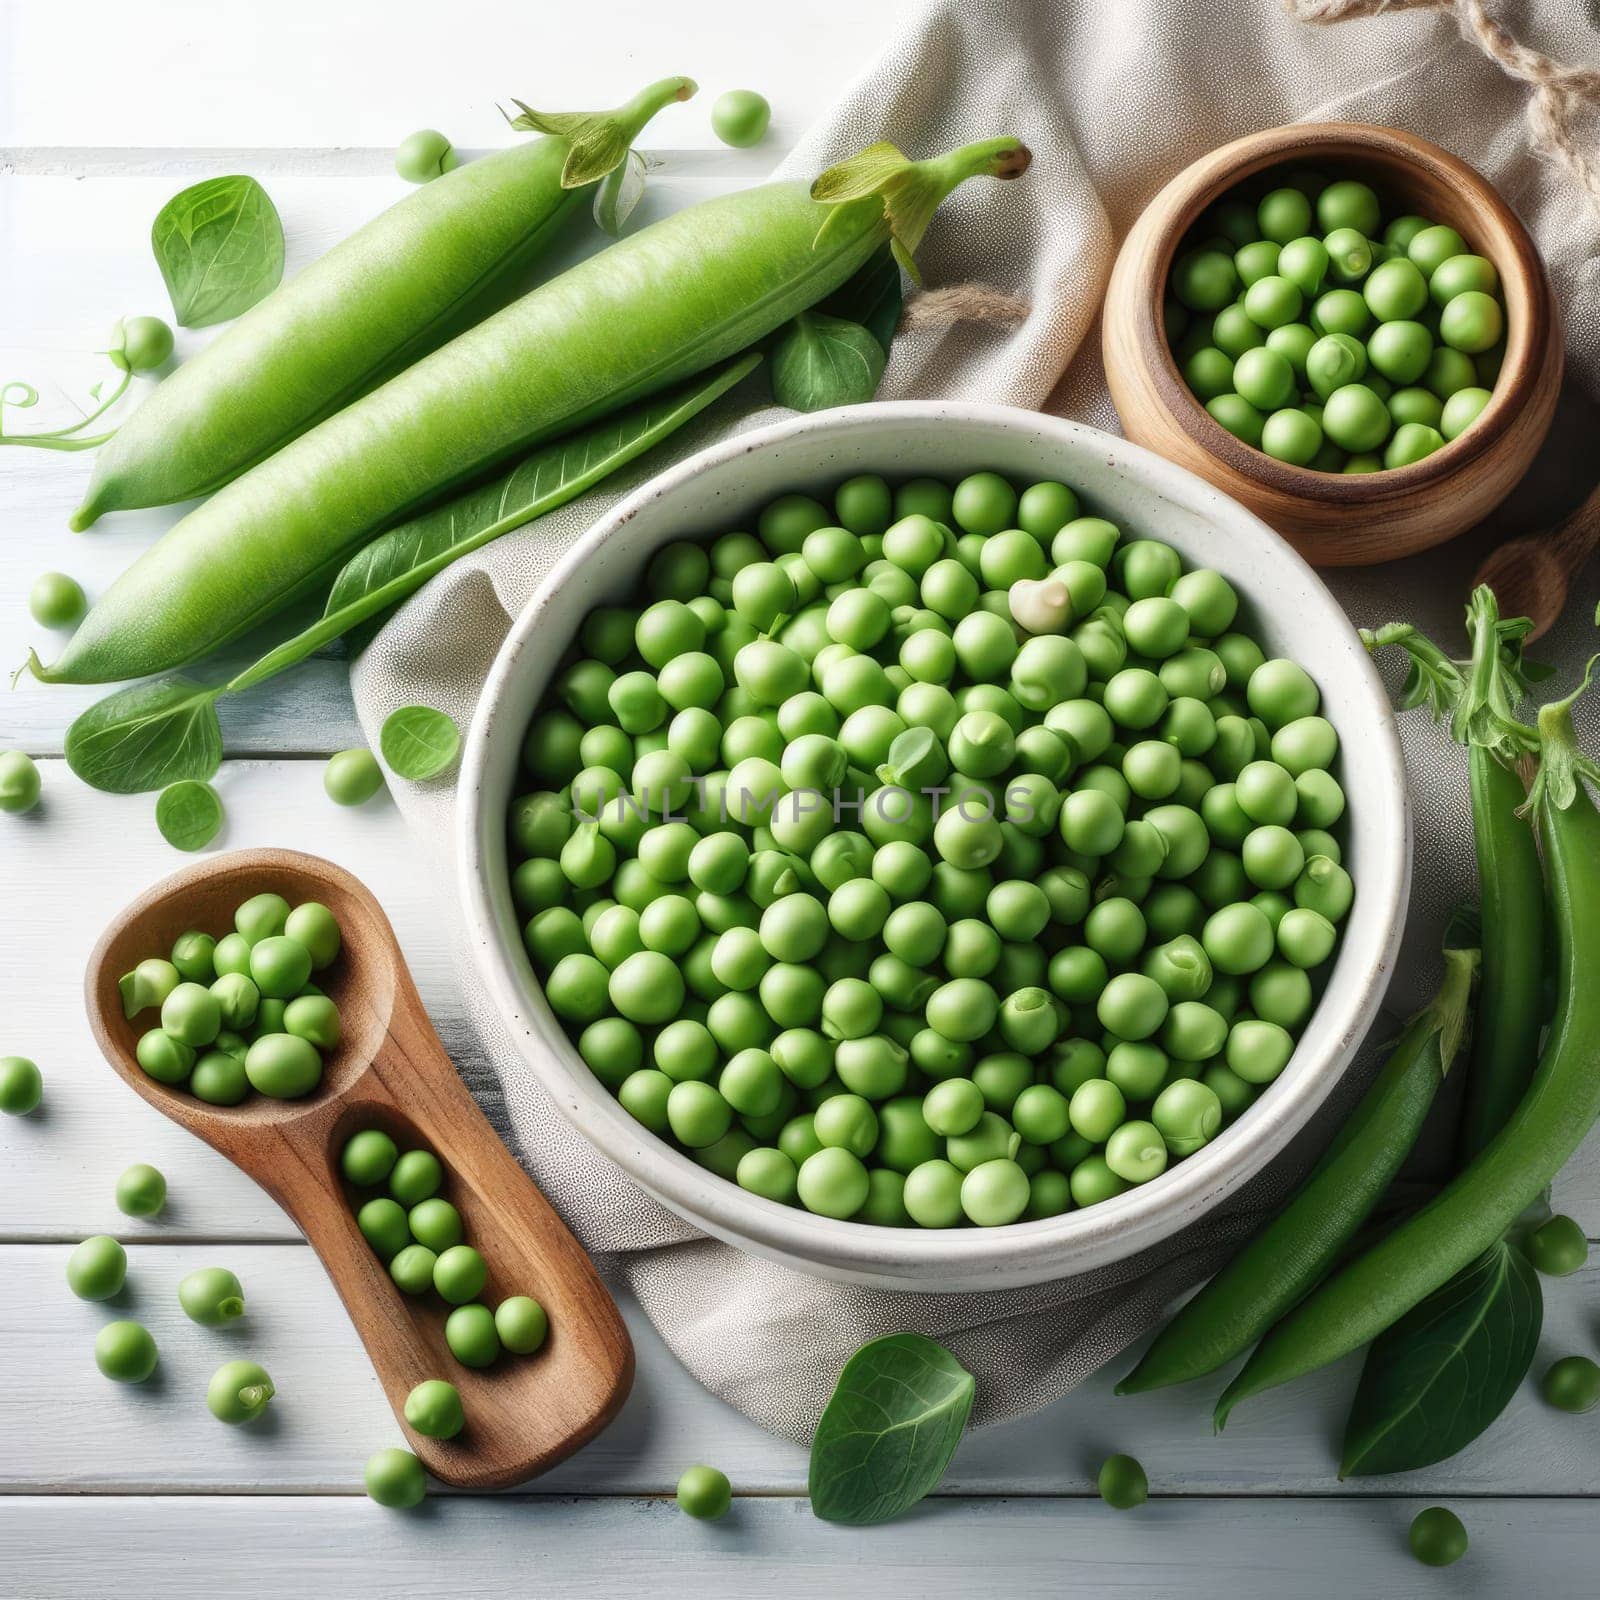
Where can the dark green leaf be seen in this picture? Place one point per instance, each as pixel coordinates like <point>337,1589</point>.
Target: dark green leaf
<point>1446,1369</point>
<point>889,1431</point>
<point>147,736</point>
<point>418,742</point>
<point>821,361</point>
<point>219,245</point>
<point>872,298</point>
<point>189,814</point>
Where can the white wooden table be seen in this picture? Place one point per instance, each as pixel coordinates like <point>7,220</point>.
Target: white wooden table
<point>106,108</point>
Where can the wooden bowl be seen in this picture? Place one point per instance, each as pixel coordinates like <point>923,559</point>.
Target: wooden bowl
<point>1333,519</point>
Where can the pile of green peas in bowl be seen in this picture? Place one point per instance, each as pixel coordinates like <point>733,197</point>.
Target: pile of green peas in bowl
<point>930,855</point>
<point>240,1013</point>
<point>1328,335</point>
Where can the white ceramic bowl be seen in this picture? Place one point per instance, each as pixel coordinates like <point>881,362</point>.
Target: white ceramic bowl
<point>1285,605</point>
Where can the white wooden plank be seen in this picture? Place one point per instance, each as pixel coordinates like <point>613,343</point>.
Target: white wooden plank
<point>69,1431</point>
<point>301,73</point>
<point>1079,1550</point>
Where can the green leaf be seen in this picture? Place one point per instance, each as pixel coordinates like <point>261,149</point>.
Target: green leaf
<point>147,736</point>
<point>1436,1379</point>
<point>872,297</point>
<point>219,245</point>
<point>154,733</point>
<point>889,1431</point>
<point>821,361</point>
<point>418,742</point>
<point>189,814</point>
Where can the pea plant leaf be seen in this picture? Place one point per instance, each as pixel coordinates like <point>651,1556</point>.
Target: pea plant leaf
<point>154,733</point>
<point>821,361</point>
<point>147,736</point>
<point>219,245</point>
<point>418,742</point>
<point>873,297</point>
<point>889,1431</point>
<point>189,814</point>
<point>1435,1380</point>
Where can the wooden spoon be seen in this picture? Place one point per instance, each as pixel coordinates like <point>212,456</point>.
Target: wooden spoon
<point>1530,576</point>
<point>525,1413</point>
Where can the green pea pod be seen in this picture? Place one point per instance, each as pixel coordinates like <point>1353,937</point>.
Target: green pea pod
<point>411,279</point>
<point>1477,699</point>
<point>1298,1246</point>
<point>1474,1210</point>
<point>668,302</point>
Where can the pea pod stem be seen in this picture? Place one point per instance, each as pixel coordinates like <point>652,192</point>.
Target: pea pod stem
<point>1292,1253</point>
<point>1562,1103</point>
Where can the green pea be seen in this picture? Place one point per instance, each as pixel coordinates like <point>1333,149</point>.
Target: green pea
<point>471,1335</point>
<point>521,1324</point>
<point>704,1493</point>
<point>1437,1537</point>
<point>125,1352</point>
<point>262,916</point>
<point>141,1191</point>
<point>433,1409</point>
<point>1572,1384</point>
<point>97,1268</point>
<point>460,1274</point>
<point>395,1478</point>
<point>239,1391</point>
<point>833,1183</point>
<point>368,1157</point>
<point>1557,1246</point>
<point>283,1066</point>
<point>21,1086</point>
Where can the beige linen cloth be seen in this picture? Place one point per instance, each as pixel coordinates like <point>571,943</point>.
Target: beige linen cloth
<point>1113,97</point>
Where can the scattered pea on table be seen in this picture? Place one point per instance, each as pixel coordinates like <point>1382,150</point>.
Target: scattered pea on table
<point>97,1268</point>
<point>21,1086</point>
<point>1437,1537</point>
<point>239,1391</point>
<point>125,1352</point>
<point>704,1493</point>
<point>19,782</point>
<point>1122,1483</point>
<point>395,1478</point>
<point>141,1191</point>
<point>211,1296</point>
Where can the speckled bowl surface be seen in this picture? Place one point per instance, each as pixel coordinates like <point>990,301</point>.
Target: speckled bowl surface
<point>1284,604</point>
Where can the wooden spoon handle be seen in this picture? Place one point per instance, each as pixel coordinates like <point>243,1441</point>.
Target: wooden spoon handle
<point>1578,535</point>
<point>524,1413</point>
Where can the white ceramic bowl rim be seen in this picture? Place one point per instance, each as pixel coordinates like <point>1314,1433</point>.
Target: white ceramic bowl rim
<point>912,1257</point>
